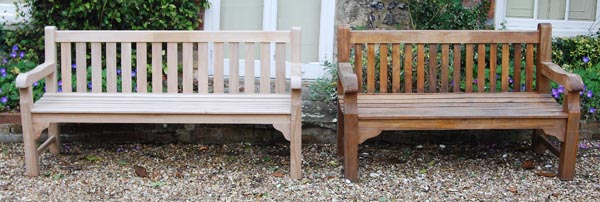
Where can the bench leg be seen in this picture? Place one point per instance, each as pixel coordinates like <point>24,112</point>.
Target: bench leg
<point>296,149</point>
<point>54,131</point>
<point>537,144</point>
<point>340,132</point>
<point>351,147</point>
<point>568,150</point>
<point>32,164</point>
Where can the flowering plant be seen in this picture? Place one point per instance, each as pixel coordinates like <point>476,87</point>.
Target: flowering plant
<point>589,99</point>
<point>12,64</point>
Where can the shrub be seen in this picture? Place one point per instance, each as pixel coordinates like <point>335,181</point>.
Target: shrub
<point>576,52</point>
<point>15,62</point>
<point>448,14</point>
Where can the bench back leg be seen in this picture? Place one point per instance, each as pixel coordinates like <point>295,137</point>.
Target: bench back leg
<point>537,145</point>
<point>54,131</point>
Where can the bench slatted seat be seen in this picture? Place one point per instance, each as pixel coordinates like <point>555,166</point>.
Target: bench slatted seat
<point>164,77</point>
<point>453,80</point>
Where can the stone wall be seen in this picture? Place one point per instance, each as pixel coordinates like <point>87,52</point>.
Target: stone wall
<point>373,14</point>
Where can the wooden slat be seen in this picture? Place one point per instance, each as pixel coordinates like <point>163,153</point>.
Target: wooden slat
<point>469,68</point>
<point>457,56</point>
<point>172,77</point>
<point>444,79</point>
<point>383,68</point>
<point>481,68</point>
<point>358,65</point>
<point>265,68</point>
<point>517,68</point>
<point>126,67</point>
<point>111,67</point>
<point>173,36</point>
<point>371,68</point>
<point>433,68</point>
<point>408,68</point>
<point>202,68</point>
<point>50,56</point>
<point>81,69</point>
<point>65,66</point>
<point>420,68</point>
<point>188,68</point>
<point>505,64</point>
<point>219,74</point>
<point>280,55</point>
<point>396,68</point>
<point>141,69</point>
<point>493,64</point>
<point>443,36</point>
<point>234,68</point>
<point>157,72</point>
<point>96,67</point>
<point>529,68</point>
<point>249,71</point>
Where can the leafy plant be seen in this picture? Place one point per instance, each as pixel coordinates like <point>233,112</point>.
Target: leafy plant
<point>15,62</point>
<point>325,87</point>
<point>448,15</point>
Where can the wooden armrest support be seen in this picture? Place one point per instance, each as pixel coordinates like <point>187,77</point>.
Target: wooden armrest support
<point>347,78</point>
<point>296,76</point>
<point>296,83</point>
<point>25,80</point>
<point>571,82</point>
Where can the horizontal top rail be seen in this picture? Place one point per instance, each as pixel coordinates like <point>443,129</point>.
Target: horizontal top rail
<point>444,36</point>
<point>172,36</point>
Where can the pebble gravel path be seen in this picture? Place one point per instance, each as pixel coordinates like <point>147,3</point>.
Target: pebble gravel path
<point>245,172</point>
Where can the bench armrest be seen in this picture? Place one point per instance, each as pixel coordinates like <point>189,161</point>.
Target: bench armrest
<point>25,80</point>
<point>347,78</point>
<point>571,82</point>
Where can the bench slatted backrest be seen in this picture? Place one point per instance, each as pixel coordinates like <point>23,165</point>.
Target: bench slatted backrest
<point>446,61</point>
<point>173,61</point>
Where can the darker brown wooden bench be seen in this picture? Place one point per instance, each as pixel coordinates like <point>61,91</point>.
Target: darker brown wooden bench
<point>185,97</point>
<point>439,88</point>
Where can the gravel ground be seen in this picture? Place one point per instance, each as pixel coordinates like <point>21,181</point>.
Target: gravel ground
<point>248,172</point>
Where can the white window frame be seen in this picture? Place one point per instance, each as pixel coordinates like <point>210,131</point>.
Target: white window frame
<point>8,13</point>
<point>561,28</point>
<point>310,70</point>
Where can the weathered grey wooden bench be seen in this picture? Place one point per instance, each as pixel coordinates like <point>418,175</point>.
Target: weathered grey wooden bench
<point>457,96</point>
<point>187,96</point>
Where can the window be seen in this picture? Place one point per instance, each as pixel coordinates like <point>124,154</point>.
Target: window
<point>315,17</point>
<point>568,17</point>
<point>8,11</point>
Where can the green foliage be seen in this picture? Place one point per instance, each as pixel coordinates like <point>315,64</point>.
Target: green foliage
<point>103,15</point>
<point>324,88</point>
<point>448,15</point>
<point>11,65</point>
<point>572,53</point>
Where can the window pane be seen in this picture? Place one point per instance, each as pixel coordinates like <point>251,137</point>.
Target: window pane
<point>519,8</point>
<point>305,14</point>
<point>552,9</point>
<point>241,14</point>
<point>582,10</point>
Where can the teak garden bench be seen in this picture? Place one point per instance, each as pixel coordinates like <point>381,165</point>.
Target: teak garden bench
<point>457,80</point>
<point>186,97</point>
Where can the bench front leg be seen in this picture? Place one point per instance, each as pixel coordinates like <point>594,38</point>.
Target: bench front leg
<point>568,149</point>
<point>296,135</point>
<point>350,137</point>
<point>32,164</point>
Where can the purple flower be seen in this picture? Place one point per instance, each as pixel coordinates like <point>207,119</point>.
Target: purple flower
<point>89,85</point>
<point>510,80</point>
<point>15,48</point>
<point>133,73</point>
<point>59,83</point>
<point>555,93</point>
<point>59,89</point>
<point>73,65</point>
<point>4,60</point>
<point>586,59</point>
<point>452,83</point>
<point>2,70</point>
<point>0,90</point>
<point>475,81</point>
<point>35,83</point>
<point>13,55</point>
<point>589,94</point>
<point>580,93</point>
<point>4,99</point>
<point>22,54</point>
<point>4,74</point>
<point>592,110</point>
<point>561,89</point>
<point>118,71</point>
